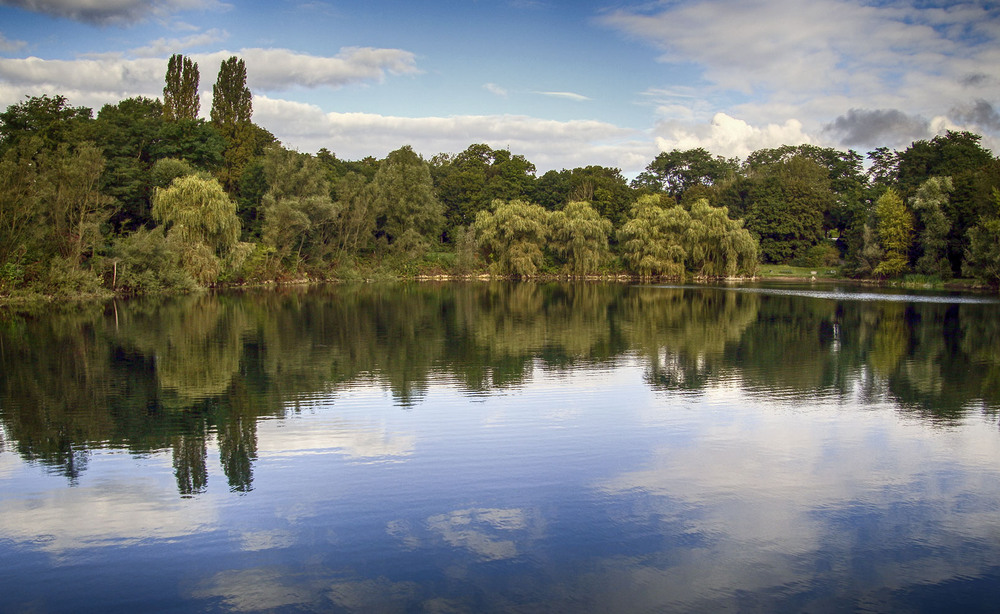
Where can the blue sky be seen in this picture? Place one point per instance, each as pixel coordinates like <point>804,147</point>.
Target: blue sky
<point>565,84</point>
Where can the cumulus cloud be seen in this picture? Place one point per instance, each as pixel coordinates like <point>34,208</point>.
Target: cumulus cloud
<point>878,127</point>
<point>729,136</point>
<point>111,12</point>
<point>887,64</point>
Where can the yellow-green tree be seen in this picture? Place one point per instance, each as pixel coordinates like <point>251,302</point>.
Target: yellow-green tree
<point>652,239</point>
<point>894,227</point>
<point>200,218</point>
<point>580,238</point>
<point>511,237</point>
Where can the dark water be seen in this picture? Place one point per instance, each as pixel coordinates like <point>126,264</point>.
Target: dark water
<point>521,448</point>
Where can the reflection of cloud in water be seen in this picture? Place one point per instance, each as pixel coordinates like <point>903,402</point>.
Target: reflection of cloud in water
<point>379,595</point>
<point>491,534</point>
<point>765,494</point>
<point>356,440</point>
<point>106,514</point>
<point>254,541</point>
<point>261,589</point>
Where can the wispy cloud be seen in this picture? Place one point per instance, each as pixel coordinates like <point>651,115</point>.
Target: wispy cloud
<point>493,88</point>
<point>565,95</point>
<point>168,46</point>
<point>8,45</point>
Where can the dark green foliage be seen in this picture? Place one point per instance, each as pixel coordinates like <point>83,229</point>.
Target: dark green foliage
<point>470,181</point>
<point>180,94</point>
<point>411,217</point>
<point>145,262</point>
<point>982,259</point>
<point>49,118</point>
<point>604,188</point>
<point>677,171</point>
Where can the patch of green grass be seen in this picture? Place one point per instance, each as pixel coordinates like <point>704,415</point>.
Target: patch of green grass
<point>786,270</point>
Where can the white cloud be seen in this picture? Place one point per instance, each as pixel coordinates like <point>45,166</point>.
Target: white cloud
<point>110,78</point>
<point>493,88</point>
<point>111,12</point>
<point>565,95</point>
<point>169,46</point>
<point>817,60</point>
<point>729,136</point>
<point>549,144</point>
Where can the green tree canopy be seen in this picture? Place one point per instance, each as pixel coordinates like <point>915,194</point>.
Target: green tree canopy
<point>894,228</point>
<point>676,171</point>
<point>411,215</point>
<point>928,204</point>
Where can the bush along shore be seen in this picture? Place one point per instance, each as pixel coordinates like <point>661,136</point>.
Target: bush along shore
<point>147,197</point>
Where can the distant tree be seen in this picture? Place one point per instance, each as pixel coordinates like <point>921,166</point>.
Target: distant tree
<point>512,237</point>
<point>894,228</point>
<point>19,203</point>
<point>180,94</point>
<point>49,118</point>
<point>928,204</point>
<point>718,246</point>
<point>412,216</point>
<point>677,171</point>
<point>299,215</point>
<point>579,237</point>
<point>74,207</point>
<point>786,204</point>
<point>982,259</point>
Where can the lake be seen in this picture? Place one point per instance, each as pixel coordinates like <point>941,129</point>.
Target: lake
<point>494,447</point>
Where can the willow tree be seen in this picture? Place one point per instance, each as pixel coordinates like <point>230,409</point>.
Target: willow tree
<point>718,246</point>
<point>512,236</point>
<point>180,94</point>
<point>652,239</point>
<point>201,221</point>
<point>580,238</point>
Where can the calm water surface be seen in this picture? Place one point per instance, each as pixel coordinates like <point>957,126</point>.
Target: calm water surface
<point>496,447</point>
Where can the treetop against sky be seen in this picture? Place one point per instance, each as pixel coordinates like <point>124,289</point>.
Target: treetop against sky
<point>566,84</point>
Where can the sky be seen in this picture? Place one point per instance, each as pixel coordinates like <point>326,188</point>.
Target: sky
<point>565,84</point>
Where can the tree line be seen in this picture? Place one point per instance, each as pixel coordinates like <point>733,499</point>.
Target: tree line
<point>146,196</point>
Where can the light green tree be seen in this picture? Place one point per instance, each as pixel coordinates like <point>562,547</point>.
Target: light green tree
<point>201,221</point>
<point>512,236</point>
<point>929,203</point>
<point>652,240</point>
<point>180,94</point>
<point>894,227</point>
<point>580,238</point>
<point>718,246</point>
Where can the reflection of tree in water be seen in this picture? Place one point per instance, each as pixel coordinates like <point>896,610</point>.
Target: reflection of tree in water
<point>184,373</point>
<point>682,333</point>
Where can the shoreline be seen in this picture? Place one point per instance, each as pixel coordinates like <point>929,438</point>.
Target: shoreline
<point>32,299</point>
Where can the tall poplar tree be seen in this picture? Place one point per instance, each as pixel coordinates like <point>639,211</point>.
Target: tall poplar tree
<point>232,106</point>
<point>180,94</point>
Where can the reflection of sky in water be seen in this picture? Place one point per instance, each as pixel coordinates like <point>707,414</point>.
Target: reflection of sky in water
<point>584,491</point>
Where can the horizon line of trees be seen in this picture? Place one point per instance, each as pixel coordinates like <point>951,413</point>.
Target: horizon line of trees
<point>146,197</point>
